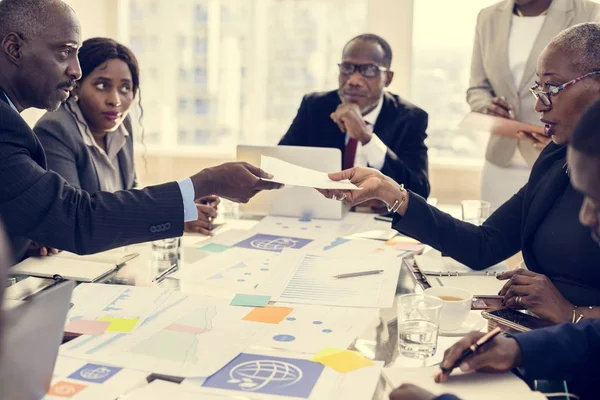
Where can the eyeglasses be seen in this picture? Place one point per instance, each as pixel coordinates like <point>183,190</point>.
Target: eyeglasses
<point>366,70</point>
<point>544,97</point>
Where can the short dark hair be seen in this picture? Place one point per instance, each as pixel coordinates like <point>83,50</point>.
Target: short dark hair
<point>371,37</point>
<point>26,17</point>
<point>586,136</point>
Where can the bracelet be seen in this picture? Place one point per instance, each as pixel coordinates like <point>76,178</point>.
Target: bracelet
<point>397,204</point>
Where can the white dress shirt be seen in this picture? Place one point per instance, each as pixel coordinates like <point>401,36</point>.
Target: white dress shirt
<point>373,153</point>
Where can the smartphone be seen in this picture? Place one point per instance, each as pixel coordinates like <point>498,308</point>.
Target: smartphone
<point>483,302</point>
<point>387,217</point>
<point>515,320</point>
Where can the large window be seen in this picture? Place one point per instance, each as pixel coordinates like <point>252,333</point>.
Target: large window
<point>443,35</point>
<point>216,73</point>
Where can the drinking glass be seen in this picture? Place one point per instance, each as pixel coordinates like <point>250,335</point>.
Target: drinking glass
<point>475,211</point>
<point>166,245</point>
<point>418,325</point>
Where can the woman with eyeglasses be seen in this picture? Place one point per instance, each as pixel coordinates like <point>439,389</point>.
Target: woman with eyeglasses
<point>509,38</point>
<point>562,283</point>
<point>89,139</point>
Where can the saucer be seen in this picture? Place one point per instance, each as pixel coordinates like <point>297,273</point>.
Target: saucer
<point>474,322</point>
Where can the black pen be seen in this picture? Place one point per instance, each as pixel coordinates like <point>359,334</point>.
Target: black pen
<point>472,349</point>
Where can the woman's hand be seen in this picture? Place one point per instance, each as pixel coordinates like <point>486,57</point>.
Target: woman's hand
<point>535,292</point>
<point>408,391</point>
<point>500,108</point>
<point>373,185</point>
<point>539,141</point>
<point>501,354</point>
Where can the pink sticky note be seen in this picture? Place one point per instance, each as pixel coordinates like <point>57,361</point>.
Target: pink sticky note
<point>87,327</point>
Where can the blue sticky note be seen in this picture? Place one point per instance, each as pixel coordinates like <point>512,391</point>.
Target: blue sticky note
<point>214,248</point>
<point>250,300</point>
<point>94,373</point>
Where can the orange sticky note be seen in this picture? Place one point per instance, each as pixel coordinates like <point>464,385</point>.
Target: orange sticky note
<point>120,324</point>
<point>65,389</point>
<point>268,315</point>
<point>345,361</point>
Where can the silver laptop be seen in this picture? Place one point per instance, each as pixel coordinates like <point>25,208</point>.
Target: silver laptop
<point>33,332</point>
<point>294,201</point>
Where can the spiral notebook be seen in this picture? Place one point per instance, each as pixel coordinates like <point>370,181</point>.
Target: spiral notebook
<point>71,266</point>
<point>432,263</point>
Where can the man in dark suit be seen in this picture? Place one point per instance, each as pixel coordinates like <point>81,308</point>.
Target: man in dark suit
<point>39,67</point>
<point>370,126</point>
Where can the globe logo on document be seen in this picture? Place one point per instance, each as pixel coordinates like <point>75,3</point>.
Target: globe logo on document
<point>272,243</point>
<point>95,374</point>
<point>255,375</point>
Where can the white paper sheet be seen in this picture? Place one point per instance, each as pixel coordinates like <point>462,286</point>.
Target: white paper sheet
<point>432,263</point>
<point>193,337</point>
<point>293,175</point>
<point>475,386</point>
<point>312,280</point>
<point>476,285</point>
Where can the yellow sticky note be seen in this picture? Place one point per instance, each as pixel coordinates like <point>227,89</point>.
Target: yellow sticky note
<point>268,315</point>
<point>120,324</point>
<point>345,361</point>
<point>327,351</point>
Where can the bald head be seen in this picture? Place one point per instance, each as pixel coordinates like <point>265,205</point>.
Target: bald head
<point>582,41</point>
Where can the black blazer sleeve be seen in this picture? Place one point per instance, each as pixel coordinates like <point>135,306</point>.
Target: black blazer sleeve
<point>562,351</point>
<point>298,132</point>
<point>40,205</point>
<point>478,247</point>
<point>61,151</point>
<point>407,161</point>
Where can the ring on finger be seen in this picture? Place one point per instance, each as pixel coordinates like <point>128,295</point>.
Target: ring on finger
<point>519,299</point>
<point>333,197</point>
<point>343,197</point>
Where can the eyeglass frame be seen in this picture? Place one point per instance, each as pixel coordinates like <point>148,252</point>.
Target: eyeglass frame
<point>556,90</point>
<point>358,67</point>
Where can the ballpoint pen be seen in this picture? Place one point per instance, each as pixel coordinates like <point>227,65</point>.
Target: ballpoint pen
<point>473,349</point>
<point>363,273</point>
<point>164,273</point>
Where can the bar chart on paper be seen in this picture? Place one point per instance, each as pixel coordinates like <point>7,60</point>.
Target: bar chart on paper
<point>312,280</point>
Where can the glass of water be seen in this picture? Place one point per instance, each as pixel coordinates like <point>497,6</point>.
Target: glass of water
<point>418,325</point>
<point>475,211</point>
<point>166,245</point>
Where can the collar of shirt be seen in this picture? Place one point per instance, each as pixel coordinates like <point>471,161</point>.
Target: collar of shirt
<point>10,103</point>
<point>372,116</point>
<point>116,140</point>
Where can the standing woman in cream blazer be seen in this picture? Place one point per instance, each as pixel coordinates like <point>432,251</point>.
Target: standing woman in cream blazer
<point>509,38</point>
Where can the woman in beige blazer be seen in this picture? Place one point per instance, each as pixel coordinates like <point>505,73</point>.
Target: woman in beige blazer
<point>509,38</point>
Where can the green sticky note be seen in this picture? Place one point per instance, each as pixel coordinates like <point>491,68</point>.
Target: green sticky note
<point>214,248</point>
<point>250,300</point>
<point>120,324</point>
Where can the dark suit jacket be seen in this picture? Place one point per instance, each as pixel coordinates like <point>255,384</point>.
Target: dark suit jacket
<point>69,156</point>
<point>400,125</point>
<point>37,204</point>
<point>564,352</point>
<point>514,226</point>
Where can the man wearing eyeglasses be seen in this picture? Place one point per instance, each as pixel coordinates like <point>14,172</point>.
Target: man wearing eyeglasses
<point>370,126</point>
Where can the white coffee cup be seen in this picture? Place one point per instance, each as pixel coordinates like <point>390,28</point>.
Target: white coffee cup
<point>456,306</point>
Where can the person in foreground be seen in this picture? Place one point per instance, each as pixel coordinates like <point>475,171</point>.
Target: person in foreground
<point>566,352</point>
<point>39,68</point>
<point>541,219</point>
<point>370,126</point>
<point>89,139</point>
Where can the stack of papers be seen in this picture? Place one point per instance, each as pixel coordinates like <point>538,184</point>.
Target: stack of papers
<point>432,263</point>
<point>293,175</point>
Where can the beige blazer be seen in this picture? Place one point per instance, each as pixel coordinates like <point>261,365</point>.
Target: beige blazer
<point>490,72</point>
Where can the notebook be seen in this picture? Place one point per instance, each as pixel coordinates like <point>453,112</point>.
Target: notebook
<point>71,266</point>
<point>473,386</point>
<point>432,263</point>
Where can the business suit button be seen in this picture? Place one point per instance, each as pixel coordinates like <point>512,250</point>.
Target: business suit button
<point>153,229</point>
